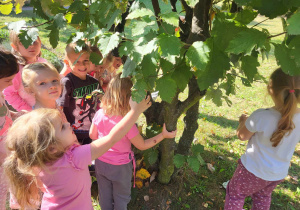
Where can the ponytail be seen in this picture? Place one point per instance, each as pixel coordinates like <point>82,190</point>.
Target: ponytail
<point>285,91</point>
<point>23,182</point>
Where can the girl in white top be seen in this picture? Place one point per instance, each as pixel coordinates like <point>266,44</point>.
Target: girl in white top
<point>273,134</point>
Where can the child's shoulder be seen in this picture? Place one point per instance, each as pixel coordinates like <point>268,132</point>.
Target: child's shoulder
<point>89,77</point>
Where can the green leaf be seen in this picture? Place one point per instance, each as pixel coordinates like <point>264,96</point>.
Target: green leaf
<point>95,58</point>
<point>249,66</point>
<point>286,60</point>
<point>200,159</point>
<point>194,164</point>
<point>59,21</point>
<point>182,75</point>
<point>169,47</point>
<point>27,37</point>
<point>270,8</point>
<point>294,24</point>
<point>246,16</point>
<point>167,88</point>
<point>171,18</point>
<point>242,2</point>
<point>215,95</point>
<point>108,42</point>
<point>245,41</point>
<point>179,160</point>
<point>151,156</point>
<point>38,10</point>
<point>197,149</point>
<point>192,3</point>
<point>140,13</point>
<point>166,66</point>
<point>139,27</point>
<point>198,55</point>
<point>139,89</point>
<point>54,37</point>
<point>128,68</point>
<point>153,130</point>
<point>6,9</point>
<point>149,66</point>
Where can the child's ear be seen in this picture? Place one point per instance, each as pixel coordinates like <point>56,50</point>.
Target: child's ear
<point>52,149</point>
<point>66,61</point>
<point>29,90</point>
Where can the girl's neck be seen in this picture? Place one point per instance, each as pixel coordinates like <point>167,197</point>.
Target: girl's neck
<point>45,104</point>
<point>31,60</point>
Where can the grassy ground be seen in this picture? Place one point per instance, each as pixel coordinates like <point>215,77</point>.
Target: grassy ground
<point>216,132</point>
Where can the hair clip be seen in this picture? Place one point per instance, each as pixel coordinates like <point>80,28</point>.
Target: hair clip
<point>291,90</point>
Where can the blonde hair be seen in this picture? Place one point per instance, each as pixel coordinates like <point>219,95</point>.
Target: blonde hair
<point>27,78</point>
<point>285,91</point>
<point>29,146</point>
<point>115,101</point>
<point>14,39</point>
<point>70,49</point>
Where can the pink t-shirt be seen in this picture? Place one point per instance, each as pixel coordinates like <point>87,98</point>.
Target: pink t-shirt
<point>67,182</point>
<point>119,153</point>
<point>15,94</point>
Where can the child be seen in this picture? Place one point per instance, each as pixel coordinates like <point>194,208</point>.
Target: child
<point>273,134</point>
<point>15,94</point>
<point>42,80</point>
<point>114,168</point>
<point>45,151</point>
<point>8,70</point>
<point>77,100</point>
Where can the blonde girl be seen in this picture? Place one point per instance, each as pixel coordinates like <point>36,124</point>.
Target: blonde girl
<point>273,134</point>
<point>42,81</point>
<point>45,156</point>
<point>114,168</point>
<point>15,95</point>
<point>8,69</point>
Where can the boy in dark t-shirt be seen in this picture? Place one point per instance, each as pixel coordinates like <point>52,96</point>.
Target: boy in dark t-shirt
<point>77,99</point>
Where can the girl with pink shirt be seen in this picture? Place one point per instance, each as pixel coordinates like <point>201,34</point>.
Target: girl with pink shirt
<point>15,95</point>
<point>45,155</point>
<point>114,168</point>
<point>8,70</point>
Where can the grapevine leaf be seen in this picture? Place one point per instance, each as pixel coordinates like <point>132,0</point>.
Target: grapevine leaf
<point>197,149</point>
<point>28,37</point>
<point>270,8</point>
<point>169,47</point>
<point>95,58</point>
<point>249,66</point>
<point>38,10</point>
<point>246,16</point>
<point>179,160</point>
<point>139,90</point>
<point>294,24</point>
<point>151,156</point>
<point>18,6</point>
<point>194,164</point>
<point>182,75</point>
<point>192,3</point>
<point>242,2</point>
<point>245,41</point>
<point>167,88</point>
<point>171,18</point>
<point>128,68</point>
<point>197,55</point>
<point>59,21</point>
<point>285,60</point>
<point>53,36</point>
<point>140,13</point>
<point>108,42</point>
<point>215,95</point>
<point>148,66</point>
<point>126,48</point>
<point>165,65</point>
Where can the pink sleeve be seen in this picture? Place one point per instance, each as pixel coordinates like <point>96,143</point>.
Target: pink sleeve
<point>80,156</point>
<point>12,95</point>
<point>132,132</point>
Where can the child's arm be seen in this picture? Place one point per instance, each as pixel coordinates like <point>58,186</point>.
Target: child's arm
<point>242,132</point>
<point>142,144</point>
<point>93,132</point>
<point>100,146</point>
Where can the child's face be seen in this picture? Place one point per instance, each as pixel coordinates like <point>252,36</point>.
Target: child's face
<point>31,53</point>
<point>45,86</point>
<point>5,82</point>
<point>64,132</point>
<point>82,66</point>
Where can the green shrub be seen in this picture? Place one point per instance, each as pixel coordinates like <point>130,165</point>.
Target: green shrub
<point>53,59</point>
<point>4,35</point>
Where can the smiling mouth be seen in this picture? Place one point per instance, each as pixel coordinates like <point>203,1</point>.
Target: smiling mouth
<point>54,92</point>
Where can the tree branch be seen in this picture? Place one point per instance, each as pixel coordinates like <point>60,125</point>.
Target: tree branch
<point>156,8</point>
<point>277,35</point>
<point>173,5</point>
<point>34,26</point>
<point>260,22</point>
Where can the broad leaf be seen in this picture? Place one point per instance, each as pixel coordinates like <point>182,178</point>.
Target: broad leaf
<point>182,75</point>
<point>128,68</point>
<point>246,40</point>
<point>95,58</point>
<point>169,47</point>
<point>27,37</point>
<point>198,55</point>
<point>139,89</point>
<point>179,160</point>
<point>249,66</point>
<point>171,18</point>
<point>38,10</point>
<point>197,149</point>
<point>140,13</point>
<point>151,156</point>
<point>246,16</point>
<point>53,36</point>
<point>194,163</point>
<point>59,21</point>
<point>215,95</point>
<point>285,60</point>
<point>149,66</point>
<point>270,8</point>
<point>167,88</point>
<point>108,42</point>
<point>294,24</point>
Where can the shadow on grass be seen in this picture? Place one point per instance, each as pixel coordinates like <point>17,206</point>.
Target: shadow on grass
<point>223,122</point>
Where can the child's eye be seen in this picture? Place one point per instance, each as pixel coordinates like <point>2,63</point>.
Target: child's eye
<point>42,83</point>
<point>55,80</point>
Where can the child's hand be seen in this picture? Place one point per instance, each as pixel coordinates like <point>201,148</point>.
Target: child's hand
<point>168,135</point>
<point>142,106</point>
<point>243,118</point>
